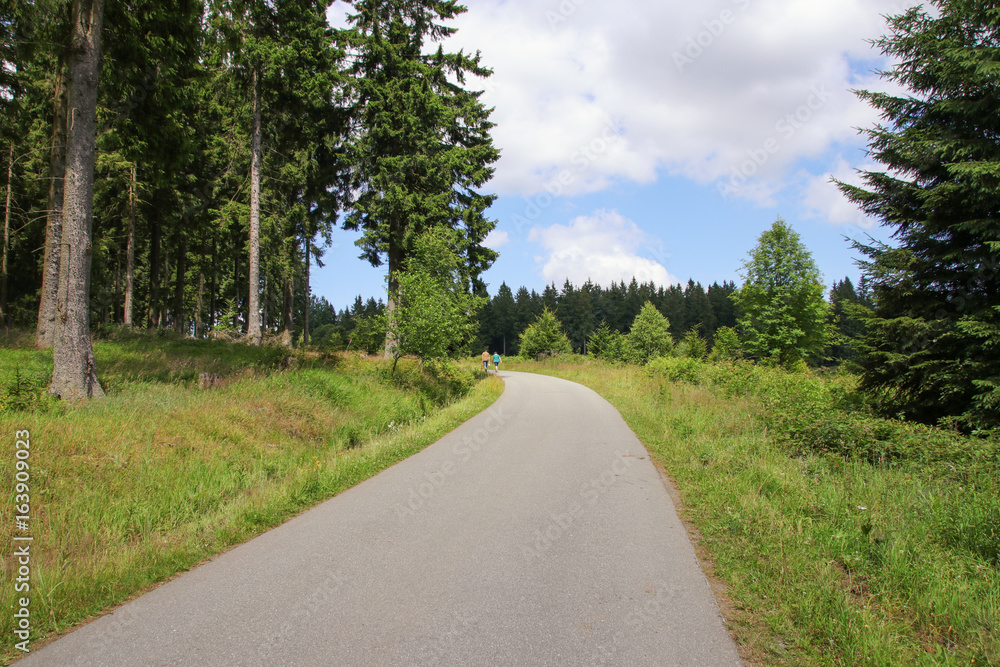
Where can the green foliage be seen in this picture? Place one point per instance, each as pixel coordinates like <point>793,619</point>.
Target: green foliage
<point>931,346</point>
<point>423,143</point>
<point>544,337</point>
<point>434,315</point>
<point>649,336</point>
<point>368,334</point>
<point>784,317</point>
<point>605,343</point>
<point>676,369</point>
<point>727,345</point>
<point>693,346</point>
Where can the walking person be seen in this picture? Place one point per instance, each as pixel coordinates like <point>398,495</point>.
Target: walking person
<point>486,361</point>
<point>496,362</point>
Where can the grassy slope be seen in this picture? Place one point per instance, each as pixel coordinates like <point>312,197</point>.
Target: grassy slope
<point>159,475</point>
<point>827,559</point>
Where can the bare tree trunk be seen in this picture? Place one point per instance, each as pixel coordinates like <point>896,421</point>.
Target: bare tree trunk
<point>180,319</point>
<point>395,256</point>
<point>130,251</point>
<point>6,240</point>
<point>199,324</point>
<point>253,307</point>
<point>154,275</point>
<point>74,374</point>
<point>305,310</point>
<point>46,326</point>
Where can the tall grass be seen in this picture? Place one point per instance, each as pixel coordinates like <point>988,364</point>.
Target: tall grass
<point>842,539</point>
<point>159,475</point>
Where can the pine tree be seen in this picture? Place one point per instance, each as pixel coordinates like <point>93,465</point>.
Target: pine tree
<point>931,349</point>
<point>420,146</point>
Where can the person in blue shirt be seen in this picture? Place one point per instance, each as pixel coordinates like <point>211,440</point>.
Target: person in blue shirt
<point>496,361</point>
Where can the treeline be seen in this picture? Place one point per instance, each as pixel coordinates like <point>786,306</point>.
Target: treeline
<point>582,310</point>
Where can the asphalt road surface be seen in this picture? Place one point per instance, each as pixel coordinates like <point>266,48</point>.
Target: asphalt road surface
<point>537,533</point>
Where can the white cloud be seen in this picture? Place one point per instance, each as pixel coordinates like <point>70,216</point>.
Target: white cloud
<point>824,199</point>
<point>603,247</point>
<point>705,90</point>
<point>496,238</point>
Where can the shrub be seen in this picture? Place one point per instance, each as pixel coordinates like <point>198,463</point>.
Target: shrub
<point>649,337</point>
<point>544,337</point>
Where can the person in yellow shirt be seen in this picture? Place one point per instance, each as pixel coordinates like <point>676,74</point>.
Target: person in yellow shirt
<point>486,360</point>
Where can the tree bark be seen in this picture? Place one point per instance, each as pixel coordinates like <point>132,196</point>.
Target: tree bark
<point>130,251</point>
<point>254,333</point>
<point>180,319</point>
<point>395,256</point>
<point>74,375</point>
<point>305,309</point>
<point>153,312</point>
<point>46,326</point>
<point>6,240</point>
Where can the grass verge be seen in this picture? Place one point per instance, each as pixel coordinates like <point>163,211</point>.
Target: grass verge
<point>129,490</point>
<point>841,539</point>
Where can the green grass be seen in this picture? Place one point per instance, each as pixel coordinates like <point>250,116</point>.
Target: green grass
<point>159,475</point>
<point>842,539</point>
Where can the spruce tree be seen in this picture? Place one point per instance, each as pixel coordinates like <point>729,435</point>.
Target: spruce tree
<point>420,144</point>
<point>783,313</point>
<point>931,349</point>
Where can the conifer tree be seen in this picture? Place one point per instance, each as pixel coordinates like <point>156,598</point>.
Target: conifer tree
<point>931,348</point>
<point>420,144</point>
<point>784,314</point>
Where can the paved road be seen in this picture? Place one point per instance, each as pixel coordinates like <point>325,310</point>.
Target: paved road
<point>537,533</point>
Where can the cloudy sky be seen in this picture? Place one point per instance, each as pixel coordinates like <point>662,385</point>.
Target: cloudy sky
<point>658,138</point>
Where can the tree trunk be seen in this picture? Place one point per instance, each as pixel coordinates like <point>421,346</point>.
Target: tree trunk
<point>74,374</point>
<point>253,315</point>
<point>130,251</point>
<point>305,309</point>
<point>6,240</point>
<point>213,305</point>
<point>199,325</point>
<point>154,275</point>
<point>395,255</point>
<point>180,319</point>
<point>46,326</point>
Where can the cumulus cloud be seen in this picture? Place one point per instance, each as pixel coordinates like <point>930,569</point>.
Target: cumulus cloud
<point>730,92</point>
<point>603,247</point>
<point>496,238</point>
<point>825,200</point>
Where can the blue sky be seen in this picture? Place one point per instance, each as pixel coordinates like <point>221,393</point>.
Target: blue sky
<point>659,139</point>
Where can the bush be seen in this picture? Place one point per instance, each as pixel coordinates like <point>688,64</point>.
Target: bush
<point>693,346</point>
<point>544,337</point>
<point>649,337</point>
<point>676,369</point>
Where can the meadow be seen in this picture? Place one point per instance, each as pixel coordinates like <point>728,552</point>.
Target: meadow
<point>128,490</point>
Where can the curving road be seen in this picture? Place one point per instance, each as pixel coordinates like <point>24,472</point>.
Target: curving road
<point>537,533</point>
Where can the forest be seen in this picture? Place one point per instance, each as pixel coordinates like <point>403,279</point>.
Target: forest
<point>181,165</point>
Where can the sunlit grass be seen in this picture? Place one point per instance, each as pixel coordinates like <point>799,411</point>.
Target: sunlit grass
<point>160,475</point>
